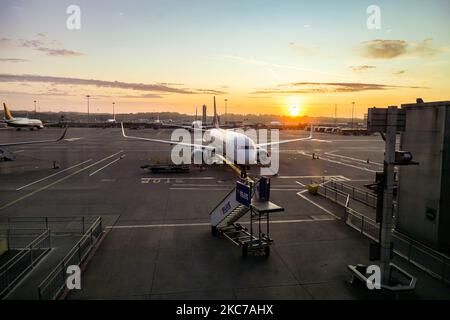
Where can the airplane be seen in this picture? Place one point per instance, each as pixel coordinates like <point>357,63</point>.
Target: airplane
<point>242,146</point>
<point>194,125</point>
<point>9,156</point>
<point>157,121</point>
<point>276,124</point>
<point>201,125</point>
<point>21,122</point>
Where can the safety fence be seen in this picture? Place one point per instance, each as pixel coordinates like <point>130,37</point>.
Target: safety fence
<point>53,285</point>
<point>425,258</point>
<point>74,225</point>
<point>431,261</point>
<point>361,223</point>
<point>27,256</point>
<point>16,239</point>
<point>364,196</point>
<point>334,195</point>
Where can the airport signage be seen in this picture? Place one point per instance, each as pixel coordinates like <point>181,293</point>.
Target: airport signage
<point>243,194</point>
<point>377,120</point>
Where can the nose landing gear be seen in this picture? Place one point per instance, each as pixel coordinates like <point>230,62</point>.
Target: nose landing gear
<point>243,171</point>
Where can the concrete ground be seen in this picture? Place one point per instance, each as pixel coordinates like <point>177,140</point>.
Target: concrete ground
<point>160,247</point>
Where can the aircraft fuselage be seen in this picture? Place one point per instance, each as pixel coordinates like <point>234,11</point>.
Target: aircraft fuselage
<point>25,123</point>
<point>235,146</point>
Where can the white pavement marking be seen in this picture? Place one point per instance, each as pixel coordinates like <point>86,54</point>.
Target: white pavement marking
<point>183,178</point>
<point>56,182</point>
<point>168,225</point>
<point>226,185</point>
<point>331,153</point>
<point>356,140</point>
<point>177,180</point>
<point>300,194</point>
<point>217,189</point>
<point>105,166</point>
<point>337,178</point>
<point>19,151</point>
<point>202,185</point>
<point>341,163</point>
<point>303,177</point>
<point>207,224</point>
<point>313,219</point>
<point>73,139</point>
<point>201,189</point>
<point>341,178</point>
<point>227,188</point>
<point>54,174</point>
<point>303,185</point>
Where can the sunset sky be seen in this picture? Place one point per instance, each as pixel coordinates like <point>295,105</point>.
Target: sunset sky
<point>263,56</point>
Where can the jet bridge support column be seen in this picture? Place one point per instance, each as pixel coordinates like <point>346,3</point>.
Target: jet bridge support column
<point>389,278</point>
<point>387,217</point>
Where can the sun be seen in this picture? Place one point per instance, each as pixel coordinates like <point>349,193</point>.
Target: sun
<point>294,110</point>
<point>292,105</point>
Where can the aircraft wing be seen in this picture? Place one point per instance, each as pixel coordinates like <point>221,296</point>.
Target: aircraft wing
<point>309,138</point>
<point>165,141</point>
<point>34,142</point>
<point>283,142</point>
<point>50,123</point>
<point>182,127</point>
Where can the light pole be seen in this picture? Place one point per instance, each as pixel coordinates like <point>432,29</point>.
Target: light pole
<point>353,113</point>
<point>35,108</point>
<point>335,114</point>
<point>226,117</point>
<point>88,96</point>
<point>114,112</point>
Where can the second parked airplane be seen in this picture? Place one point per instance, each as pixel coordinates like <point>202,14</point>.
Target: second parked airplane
<point>21,122</point>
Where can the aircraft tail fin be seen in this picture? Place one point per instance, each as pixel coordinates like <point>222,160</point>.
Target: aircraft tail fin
<point>204,115</point>
<point>8,114</point>
<point>215,119</point>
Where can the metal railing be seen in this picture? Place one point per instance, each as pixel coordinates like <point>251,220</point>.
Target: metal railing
<point>361,223</point>
<point>58,225</point>
<point>425,258</point>
<point>28,256</point>
<point>334,195</point>
<point>17,239</point>
<point>364,196</point>
<point>422,256</point>
<point>52,286</point>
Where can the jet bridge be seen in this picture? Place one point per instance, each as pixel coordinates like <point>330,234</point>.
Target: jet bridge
<point>253,235</point>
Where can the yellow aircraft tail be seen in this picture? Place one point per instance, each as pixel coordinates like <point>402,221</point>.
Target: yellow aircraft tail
<point>8,114</point>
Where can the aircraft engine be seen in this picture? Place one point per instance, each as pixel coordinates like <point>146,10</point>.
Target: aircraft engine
<point>263,156</point>
<point>203,156</point>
